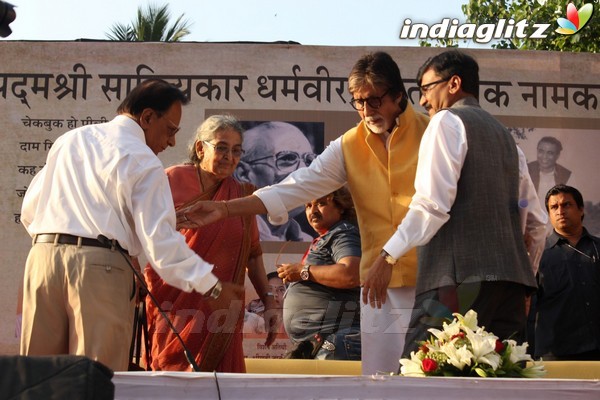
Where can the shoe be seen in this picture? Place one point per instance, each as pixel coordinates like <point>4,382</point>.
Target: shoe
<point>307,349</point>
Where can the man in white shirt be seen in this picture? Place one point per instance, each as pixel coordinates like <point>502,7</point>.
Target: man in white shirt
<point>474,202</point>
<point>106,180</point>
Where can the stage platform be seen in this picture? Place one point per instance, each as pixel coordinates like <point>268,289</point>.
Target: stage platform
<point>337,380</point>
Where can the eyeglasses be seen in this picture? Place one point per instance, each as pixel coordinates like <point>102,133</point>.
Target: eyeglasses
<point>223,150</point>
<point>373,102</point>
<point>428,86</point>
<point>172,127</point>
<point>287,161</point>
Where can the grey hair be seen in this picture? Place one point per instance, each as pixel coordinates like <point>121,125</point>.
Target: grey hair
<point>208,130</point>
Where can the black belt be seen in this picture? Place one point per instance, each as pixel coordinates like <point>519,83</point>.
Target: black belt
<point>63,238</point>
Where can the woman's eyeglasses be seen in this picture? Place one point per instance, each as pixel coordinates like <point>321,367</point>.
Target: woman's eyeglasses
<point>223,150</point>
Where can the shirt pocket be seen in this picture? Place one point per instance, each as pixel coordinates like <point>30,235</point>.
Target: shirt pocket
<point>556,279</point>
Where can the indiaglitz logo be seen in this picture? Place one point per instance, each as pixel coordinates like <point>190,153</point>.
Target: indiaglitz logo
<point>450,29</point>
<point>576,20</point>
<point>503,28</point>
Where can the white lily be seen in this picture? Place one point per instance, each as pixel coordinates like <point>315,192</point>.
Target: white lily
<point>460,357</point>
<point>449,330</point>
<point>412,366</point>
<point>440,335</point>
<point>452,328</point>
<point>518,352</point>
<point>536,370</point>
<point>492,359</point>
<point>481,342</point>
<point>469,320</point>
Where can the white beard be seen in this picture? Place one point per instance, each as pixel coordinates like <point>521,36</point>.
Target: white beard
<point>377,125</point>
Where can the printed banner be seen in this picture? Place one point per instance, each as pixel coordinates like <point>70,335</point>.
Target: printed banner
<point>48,88</point>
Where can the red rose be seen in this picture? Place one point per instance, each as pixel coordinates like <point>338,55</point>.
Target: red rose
<point>499,346</point>
<point>429,365</point>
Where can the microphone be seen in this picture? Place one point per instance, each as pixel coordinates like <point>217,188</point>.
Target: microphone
<point>109,243</point>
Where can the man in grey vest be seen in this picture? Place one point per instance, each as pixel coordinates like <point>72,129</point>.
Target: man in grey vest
<point>473,207</point>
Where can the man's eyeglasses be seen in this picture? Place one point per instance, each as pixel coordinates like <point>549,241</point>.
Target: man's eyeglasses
<point>373,102</point>
<point>287,161</point>
<point>223,150</point>
<point>172,127</point>
<point>428,86</point>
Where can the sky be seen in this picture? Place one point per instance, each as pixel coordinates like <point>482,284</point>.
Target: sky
<point>308,22</point>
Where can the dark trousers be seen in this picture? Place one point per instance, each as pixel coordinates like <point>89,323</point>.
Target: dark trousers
<point>343,345</point>
<point>500,308</point>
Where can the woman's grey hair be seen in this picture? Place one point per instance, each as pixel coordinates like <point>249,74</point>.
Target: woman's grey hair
<point>208,130</point>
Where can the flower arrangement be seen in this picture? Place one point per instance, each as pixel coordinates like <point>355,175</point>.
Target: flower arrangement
<point>464,349</point>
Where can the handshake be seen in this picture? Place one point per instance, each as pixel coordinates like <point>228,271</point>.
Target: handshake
<point>201,211</point>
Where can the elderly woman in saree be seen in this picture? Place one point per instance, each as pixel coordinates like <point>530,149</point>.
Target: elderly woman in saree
<point>232,245</point>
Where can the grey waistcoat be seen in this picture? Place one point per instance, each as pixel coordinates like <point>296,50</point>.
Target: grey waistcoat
<point>482,240</point>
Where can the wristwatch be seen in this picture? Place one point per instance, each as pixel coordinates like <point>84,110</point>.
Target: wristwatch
<point>215,291</point>
<point>305,273</point>
<point>388,259</point>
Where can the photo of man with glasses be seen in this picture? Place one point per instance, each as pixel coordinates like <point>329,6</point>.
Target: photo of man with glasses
<point>273,150</point>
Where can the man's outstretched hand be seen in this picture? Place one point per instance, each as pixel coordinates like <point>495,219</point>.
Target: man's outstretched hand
<point>200,213</point>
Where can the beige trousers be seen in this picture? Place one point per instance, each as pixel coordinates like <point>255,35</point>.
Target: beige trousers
<point>77,300</point>
<point>383,331</point>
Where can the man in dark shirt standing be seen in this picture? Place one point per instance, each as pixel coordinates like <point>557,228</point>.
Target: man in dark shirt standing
<point>568,306</point>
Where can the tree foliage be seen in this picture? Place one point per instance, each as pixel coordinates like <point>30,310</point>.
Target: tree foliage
<point>151,25</point>
<point>481,12</point>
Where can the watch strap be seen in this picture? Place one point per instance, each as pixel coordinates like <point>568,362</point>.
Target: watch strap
<point>215,292</point>
<point>388,258</point>
<point>305,273</point>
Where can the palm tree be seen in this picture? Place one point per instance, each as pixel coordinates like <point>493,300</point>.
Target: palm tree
<point>151,26</point>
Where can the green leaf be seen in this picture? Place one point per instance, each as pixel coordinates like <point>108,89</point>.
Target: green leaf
<point>151,25</point>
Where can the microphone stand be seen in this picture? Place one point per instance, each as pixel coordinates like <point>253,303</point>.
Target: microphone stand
<point>106,241</point>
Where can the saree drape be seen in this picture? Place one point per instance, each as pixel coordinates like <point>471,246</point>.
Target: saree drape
<point>222,244</point>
